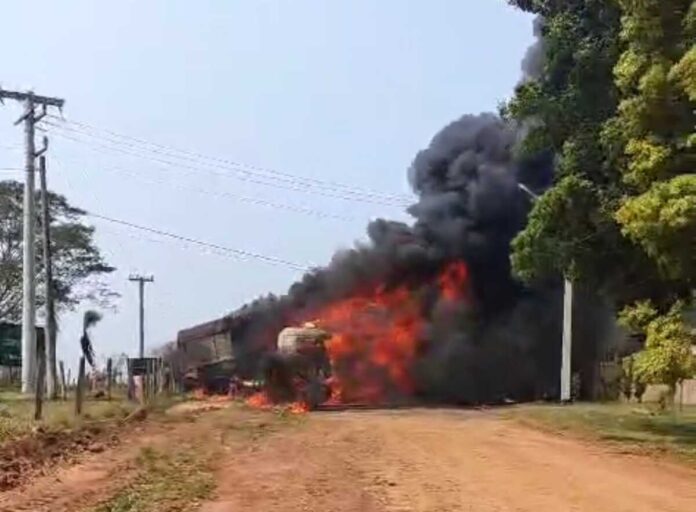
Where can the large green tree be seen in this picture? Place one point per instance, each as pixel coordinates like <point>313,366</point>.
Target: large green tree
<point>564,106</point>
<point>571,108</point>
<point>78,264</point>
<point>615,100</point>
<point>655,125</point>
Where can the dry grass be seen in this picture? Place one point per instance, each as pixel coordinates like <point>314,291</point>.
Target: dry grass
<point>639,428</point>
<point>176,480</point>
<point>17,413</point>
<point>183,476</point>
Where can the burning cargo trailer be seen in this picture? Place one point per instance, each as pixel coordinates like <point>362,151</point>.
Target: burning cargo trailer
<point>207,354</point>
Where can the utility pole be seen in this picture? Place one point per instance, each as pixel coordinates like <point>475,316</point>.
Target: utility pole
<point>567,340</point>
<point>51,325</point>
<point>29,118</point>
<point>141,280</point>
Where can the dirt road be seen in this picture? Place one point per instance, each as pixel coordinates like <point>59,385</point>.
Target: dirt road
<point>425,460</point>
<point>415,460</point>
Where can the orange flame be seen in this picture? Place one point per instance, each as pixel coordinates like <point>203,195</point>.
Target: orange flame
<point>374,343</point>
<point>260,400</point>
<point>451,281</point>
<point>376,337</point>
<point>298,408</point>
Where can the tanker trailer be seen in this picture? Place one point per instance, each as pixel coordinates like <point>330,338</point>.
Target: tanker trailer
<point>299,367</point>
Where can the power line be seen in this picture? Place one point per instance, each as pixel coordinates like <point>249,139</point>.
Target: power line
<point>241,174</point>
<point>246,167</point>
<point>251,200</point>
<point>238,252</point>
<point>229,165</point>
<point>95,146</point>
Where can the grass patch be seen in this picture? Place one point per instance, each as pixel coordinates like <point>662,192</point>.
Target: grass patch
<point>167,482</point>
<point>240,423</point>
<point>17,413</point>
<point>636,427</point>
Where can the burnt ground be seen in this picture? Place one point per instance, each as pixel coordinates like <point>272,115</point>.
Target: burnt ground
<point>381,461</point>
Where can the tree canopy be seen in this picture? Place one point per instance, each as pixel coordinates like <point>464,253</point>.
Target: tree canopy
<point>615,100</point>
<point>78,265</point>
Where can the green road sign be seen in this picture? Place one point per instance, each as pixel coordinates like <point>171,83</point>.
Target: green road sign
<point>11,343</point>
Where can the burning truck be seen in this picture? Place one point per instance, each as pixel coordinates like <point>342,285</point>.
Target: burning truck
<point>299,369</point>
<point>294,368</point>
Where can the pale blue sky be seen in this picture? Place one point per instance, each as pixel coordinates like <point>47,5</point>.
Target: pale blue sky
<point>339,91</point>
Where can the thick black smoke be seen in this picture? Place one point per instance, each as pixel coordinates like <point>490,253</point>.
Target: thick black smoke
<point>504,342</point>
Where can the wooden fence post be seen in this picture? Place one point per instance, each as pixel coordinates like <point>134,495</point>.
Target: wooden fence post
<point>40,377</point>
<point>131,381</point>
<point>149,379</point>
<point>79,391</point>
<point>64,386</point>
<point>155,376</point>
<point>109,370</point>
<point>161,377</point>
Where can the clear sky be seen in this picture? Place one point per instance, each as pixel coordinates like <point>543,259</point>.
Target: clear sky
<point>339,91</point>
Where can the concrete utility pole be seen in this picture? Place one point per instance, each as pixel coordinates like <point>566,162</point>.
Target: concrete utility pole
<point>567,342</point>
<point>29,278</point>
<point>51,326</point>
<point>141,280</point>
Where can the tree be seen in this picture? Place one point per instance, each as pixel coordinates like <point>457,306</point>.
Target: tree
<point>615,102</point>
<point>571,229</point>
<point>582,105</point>
<point>655,125</point>
<point>78,265</point>
<point>667,357</point>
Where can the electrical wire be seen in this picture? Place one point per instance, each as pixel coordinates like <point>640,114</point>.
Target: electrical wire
<point>214,248</point>
<point>260,202</point>
<point>242,254</point>
<point>247,167</point>
<point>228,165</point>
<point>97,147</point>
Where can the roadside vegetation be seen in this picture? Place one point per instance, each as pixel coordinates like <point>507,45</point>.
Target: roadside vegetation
<point>17,414</point>
<point>172,480</point>
<point>614,102</point>
<point>633,427</point>
<point>178,478</point>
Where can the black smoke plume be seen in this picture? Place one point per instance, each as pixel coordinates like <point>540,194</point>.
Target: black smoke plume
<point>502,343</point>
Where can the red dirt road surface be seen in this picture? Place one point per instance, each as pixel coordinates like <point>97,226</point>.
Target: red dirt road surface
<point>425,460</point>
<point>421,460</point>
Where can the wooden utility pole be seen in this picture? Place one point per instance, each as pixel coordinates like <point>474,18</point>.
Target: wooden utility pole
<point>141,280</point>
<point>29,118</point>
<point>40,377</point>
<point>51,325</point>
